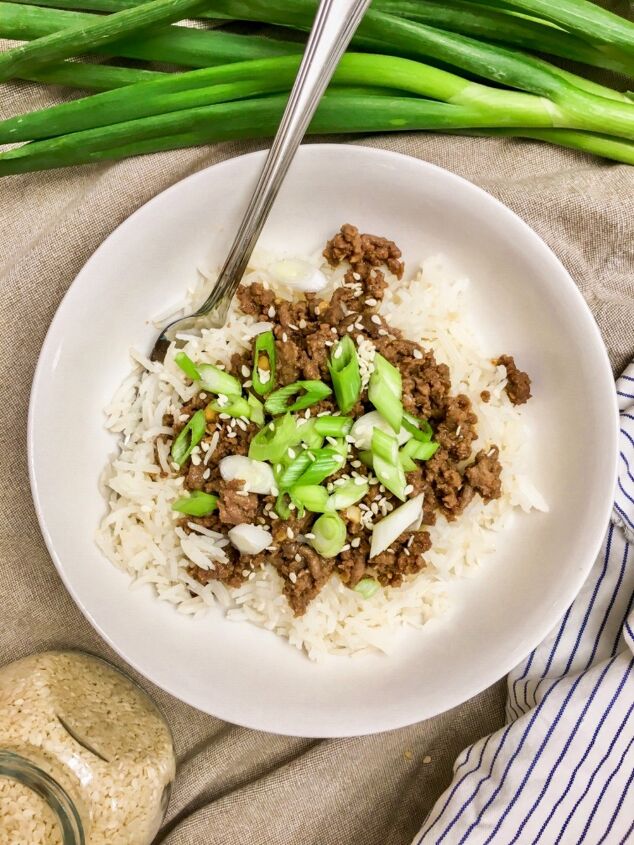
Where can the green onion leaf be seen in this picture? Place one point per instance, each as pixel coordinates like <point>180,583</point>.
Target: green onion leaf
<point>216,380</point>
<point>256,414</point>
<point>314,391</point>
<point>189,438</point>
<point>187,366</point>
<point>329,532</point>
<point>313,497</point>
<point>289,475</point>
<point>384,391</point>
<point>348,494</point>
<point>414,450</point>
<point>282,503</point>
<point>366,457</point>
<point>310,436</point>
<point>196,504</point>
<point>386,464</point>
<point>326,461</point>
<point>234,406</point>
<point>419,429</point>
<point>367,587</point>
<point>333,426</point>
<point>344,372</point>
<point>264,363</point>
<point>271,443</point>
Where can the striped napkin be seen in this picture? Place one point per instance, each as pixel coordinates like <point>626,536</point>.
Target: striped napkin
<point>561,770</point>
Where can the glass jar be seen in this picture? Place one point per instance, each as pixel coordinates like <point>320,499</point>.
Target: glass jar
<point>85,756</point>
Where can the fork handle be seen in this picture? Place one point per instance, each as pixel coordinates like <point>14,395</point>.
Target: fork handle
<point>332,30</point>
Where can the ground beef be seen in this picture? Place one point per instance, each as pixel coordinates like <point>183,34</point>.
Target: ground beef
<point>485,395</point>
<point>194,480</point>
<point>518,383</point>
<point>234,506</point>
<point>405,557</point>
<point>447,484</point>
<point>457,431</point>
<point>484,474</point>
<point>255,300</point>
<point>363,252</point>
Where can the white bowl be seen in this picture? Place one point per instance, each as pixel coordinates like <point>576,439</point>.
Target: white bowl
<point>528,304</point>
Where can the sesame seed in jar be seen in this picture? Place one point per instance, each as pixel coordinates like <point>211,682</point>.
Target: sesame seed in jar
<point>418,354</point>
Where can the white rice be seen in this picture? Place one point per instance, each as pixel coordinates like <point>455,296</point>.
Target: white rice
<point>139,536</point>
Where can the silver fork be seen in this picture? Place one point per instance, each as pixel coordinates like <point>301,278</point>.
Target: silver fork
<point>333,27</point>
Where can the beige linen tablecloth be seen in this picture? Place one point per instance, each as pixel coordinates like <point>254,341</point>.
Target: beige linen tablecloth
<point>236,785</point>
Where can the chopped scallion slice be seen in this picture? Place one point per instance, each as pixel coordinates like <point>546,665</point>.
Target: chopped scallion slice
<point>216,380</point>
<point>384,391</point>
<point>289,474</point>
<point>366,457</point>
<point>257,410</point>
<point>313,497</point>
<point>310,392</point>
<point>234,406</point>
<point>344,372</point>
<point>271,443</point>
<point>348,494</point>
<point>282,508</point>
<point>326,461</point>
<point>333,426</point>
<point>264,363</point>
<point>187,366</point>
<point>196,504</point>
<point>329,534</point>
<point>419,429</point>
<point>189,438</point>
<point>386,464</point>
<point>415,450</point>
<point>310,436</point>
<point>367,587</point>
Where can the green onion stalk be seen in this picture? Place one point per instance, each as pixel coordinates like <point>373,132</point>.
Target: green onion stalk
<point>381,32</point>
<point>338,112</point>
<point>175,44</point>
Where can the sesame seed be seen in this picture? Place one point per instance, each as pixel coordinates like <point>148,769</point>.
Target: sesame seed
<point>418,354</point>
<point>317,311</point>
<point>292,453</point>
<point>290,533</point>
<point>183,418</point>
<point>309,536</point>
<point>328,342</point>
<point>271,311</point>
<point>291,506</point>
<point>291,326</point>
<point>371,302</point>
<point>203,395</point>
<point>356,464</point>
<point>427,760</point>
<point>251,576</point>
<point>231,434</point>
<point>307,414</point>
<point>356,277</point>
<point>206,473</point>
<point>406,551</point>
<point>284,337</point>
<point>333,330</point>
<point>273,515</point>
<point>302,324</point>
<point>224,416</point>
<point>245,371</point>
<point>346,548</point>
<point>195,460</point>
<point>292,577</point>
<point>338,352</point>
<point>248,383</point>
<point>410,541</point>
<point>298,558</point>
<point>409,489</point>
<point>245,573</point>
<point>376,319</point>
<point>383,332</point>
<point>350,328</point>
<point>242,492</point>
<point>374,508</point>
<point>458,431</point>
<point>359,480</point>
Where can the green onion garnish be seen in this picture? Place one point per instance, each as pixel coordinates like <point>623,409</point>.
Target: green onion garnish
<point>313,392</point>
<point>196,504</point>
<point>311,496</point>
<point>344,372</point>
<point>256,408</point>
<point>289,474</point>
<point>384,391</point>
<point>386,464</point>
<point>216,380</point>
<point>333,426</point>
<point>348,494</point>
<point>416,450</point>
<point>271,443</point>
<point>366,587</point>
<point>264,363</point>
<point>326,461</point>
<point>189,438</point>
<point>310,436</point>
<point>366,457</point>
<point>282,504</point>
<point>233,406</point>
<point>419,429</point>
<point>329,534</point>
<point>187,365</point>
